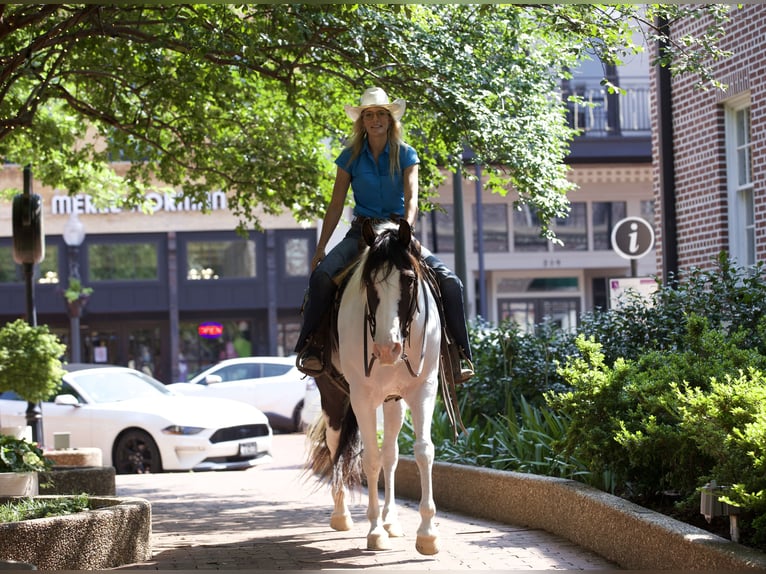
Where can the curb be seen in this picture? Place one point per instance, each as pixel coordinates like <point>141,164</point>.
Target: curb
<point>620,531</point>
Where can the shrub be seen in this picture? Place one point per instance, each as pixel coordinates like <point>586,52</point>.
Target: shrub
<point>510,364</point>
<point>29,360</point>
<point>731,298</point>
<point>626,418</point>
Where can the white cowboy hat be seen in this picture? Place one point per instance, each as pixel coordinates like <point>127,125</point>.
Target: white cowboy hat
<point>376,98</point>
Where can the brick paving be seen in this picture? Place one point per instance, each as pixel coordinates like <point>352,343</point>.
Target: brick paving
<point>271,518</point>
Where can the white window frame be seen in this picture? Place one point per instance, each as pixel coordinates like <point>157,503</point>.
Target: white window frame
<point>740,193</point>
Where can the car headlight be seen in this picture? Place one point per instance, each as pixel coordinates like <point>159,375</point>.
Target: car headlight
<point>182,430</point>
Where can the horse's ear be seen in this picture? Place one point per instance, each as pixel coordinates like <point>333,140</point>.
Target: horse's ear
<point>368,232</point>
<point>405,232</point>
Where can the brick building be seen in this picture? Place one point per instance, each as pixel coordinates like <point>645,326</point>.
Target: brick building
<point>710,172</point>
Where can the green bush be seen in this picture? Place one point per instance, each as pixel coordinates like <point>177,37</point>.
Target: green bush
<point>645,401</point>
<point>30,364</point>
<point>731,298</point>
<point>728,424</point>
<point>510,363</point>
<point>625,417</point>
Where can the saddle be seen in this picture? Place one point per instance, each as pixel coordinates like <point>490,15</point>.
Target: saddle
<point>325,339</point>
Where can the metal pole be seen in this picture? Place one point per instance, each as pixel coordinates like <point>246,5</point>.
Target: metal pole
<point>34,414</point>
<point>457,223</point>
<point>75,308</point>
<point>480,245</point>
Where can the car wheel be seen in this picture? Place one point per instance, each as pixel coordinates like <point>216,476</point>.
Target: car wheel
<point>135,452</point>
<point>297,423</point>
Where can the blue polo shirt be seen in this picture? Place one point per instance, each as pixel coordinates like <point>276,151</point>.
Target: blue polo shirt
<point>377,193</point>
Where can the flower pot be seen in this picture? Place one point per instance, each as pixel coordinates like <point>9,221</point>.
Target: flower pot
<point>19,484</point>
<point>17,432</point>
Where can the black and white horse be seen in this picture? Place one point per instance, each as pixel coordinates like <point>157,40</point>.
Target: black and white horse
<point>388,349</point>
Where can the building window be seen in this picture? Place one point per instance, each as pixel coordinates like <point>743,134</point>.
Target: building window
<point>297,257</point>
<point>122,262</point>
<point>222,259</point>
<point>494,221</point>
<point>526,231</point>
<point>572,230</point>
<point>44,272</point>
<point>442,229</point>
<point>605,215</point>
<point>527,313</point>
<point>740,184</point>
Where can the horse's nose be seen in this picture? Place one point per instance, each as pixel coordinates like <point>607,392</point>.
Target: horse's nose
<point>387,353</point>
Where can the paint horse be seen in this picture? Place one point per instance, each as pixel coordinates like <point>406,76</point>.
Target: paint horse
<point>388,350</point>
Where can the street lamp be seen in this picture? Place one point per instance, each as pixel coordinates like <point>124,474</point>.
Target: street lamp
<point>74,235</point>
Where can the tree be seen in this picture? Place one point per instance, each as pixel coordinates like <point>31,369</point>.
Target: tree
<point>249,98</point>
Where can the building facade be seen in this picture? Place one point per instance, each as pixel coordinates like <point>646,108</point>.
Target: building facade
<point>710,167</point>
<point>178,289</point>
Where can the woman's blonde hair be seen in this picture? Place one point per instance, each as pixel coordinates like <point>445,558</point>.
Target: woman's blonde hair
<point>395,141</point>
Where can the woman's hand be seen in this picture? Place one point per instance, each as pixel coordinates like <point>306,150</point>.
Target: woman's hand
<point>317,259</point>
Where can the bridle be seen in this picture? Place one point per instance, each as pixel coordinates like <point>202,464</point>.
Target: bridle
<point>409,289</point>
<point>410,285</point>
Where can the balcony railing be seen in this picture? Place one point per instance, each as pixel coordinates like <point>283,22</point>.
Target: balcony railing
<point>602,114</point>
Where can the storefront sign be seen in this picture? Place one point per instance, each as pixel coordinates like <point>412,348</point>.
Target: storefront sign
<point>82,204</point>
<point>210,330</point>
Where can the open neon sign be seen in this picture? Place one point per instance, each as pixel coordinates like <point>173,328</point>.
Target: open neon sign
<point>210,330</point>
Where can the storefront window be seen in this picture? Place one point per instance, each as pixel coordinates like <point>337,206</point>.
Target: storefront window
<point>605,215</point>
<point>526,231</point>
<point>297,257</point>
<point>495,228</point>
<point>202,347</point>
<point>122,261</point>
<point>572,230</point>
<point>222,259</point>
<point>44,272</point>
<point>443,229</point>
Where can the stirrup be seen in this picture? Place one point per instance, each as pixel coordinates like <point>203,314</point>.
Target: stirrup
<point>466,373</point>
<point>309,361</point>
<point>462,367</point>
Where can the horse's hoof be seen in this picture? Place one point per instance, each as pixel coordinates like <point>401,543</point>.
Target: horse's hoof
<point>394,529</point>
<point>378,541</point>
<point>341,522</point>
<point>428,545</point>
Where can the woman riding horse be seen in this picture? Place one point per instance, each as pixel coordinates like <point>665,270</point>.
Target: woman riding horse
<point>382,171</point>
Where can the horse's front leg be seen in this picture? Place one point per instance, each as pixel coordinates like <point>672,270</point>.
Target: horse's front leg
<point>377,537</point>
<point>340,519</point>
<point>393,418</point>
<point>427,541</point>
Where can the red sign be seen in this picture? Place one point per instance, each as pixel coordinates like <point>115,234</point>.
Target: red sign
<point>210,330</point>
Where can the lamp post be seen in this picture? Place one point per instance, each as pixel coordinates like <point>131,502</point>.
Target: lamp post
<point>74,235</point>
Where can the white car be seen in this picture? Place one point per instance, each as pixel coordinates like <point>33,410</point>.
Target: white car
<point>271,384</point>
<point>312,406</point>
<point>140,426</point>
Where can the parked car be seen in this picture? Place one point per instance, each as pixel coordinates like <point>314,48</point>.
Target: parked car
<point>312,406</point>
<point>141,426</point>
<point>272,384</point>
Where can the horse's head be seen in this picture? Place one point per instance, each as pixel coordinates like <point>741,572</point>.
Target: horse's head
<point>390,278</point>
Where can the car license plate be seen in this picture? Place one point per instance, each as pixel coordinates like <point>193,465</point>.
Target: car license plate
<point>248,448</point>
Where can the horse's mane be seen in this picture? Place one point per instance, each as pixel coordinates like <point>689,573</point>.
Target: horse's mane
<point>387,252</point>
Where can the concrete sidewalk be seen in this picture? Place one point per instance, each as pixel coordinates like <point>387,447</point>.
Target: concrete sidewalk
<point>270,518</point>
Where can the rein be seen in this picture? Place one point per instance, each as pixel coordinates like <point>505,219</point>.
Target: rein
<point>369,325</point>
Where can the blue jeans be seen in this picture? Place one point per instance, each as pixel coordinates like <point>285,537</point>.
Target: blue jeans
<point>321,291</point>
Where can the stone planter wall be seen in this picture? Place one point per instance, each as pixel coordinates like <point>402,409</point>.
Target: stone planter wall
<point>116,533</point>
<point>629,535</point>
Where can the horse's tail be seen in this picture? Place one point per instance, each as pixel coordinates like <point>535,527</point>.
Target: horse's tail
<point>344,467</point>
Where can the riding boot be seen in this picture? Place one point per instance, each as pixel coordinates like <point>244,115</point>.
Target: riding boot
<point>319,297</point>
